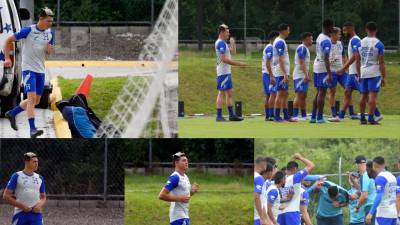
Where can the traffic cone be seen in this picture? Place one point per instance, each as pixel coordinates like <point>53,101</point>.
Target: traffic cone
<point>84,88</point>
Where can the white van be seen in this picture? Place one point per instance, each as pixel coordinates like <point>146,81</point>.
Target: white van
<point>10,81</point>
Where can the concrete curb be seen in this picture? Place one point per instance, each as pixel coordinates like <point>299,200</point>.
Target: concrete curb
<point>60,125</point>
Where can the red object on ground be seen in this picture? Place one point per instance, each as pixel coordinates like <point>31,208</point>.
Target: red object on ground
<point>84,88</point>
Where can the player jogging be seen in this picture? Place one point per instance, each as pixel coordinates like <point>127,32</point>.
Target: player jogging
<point>268,77</point>
<point>281,65</point>
<point>178,191</point>
<point>301,75</point>
<point>29,191</point>
<point>385,201</point>
<point>224,74</point>
<point>371,66</point>
<point>322,72</point>
<point>291,214</point>
<point>38,40</point>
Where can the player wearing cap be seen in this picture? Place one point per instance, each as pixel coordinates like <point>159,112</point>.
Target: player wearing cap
<point>26,191</point>
<point>178,191</point>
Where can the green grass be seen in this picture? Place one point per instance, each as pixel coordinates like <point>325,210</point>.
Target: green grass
<point>197,85</point>
<point>221,200</point>
<point>102,92</point>
<point>258,128</point>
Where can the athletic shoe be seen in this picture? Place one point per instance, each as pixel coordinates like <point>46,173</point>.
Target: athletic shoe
<point>36,133</point>
<point>303,118</point>
<point>271,119</point>
<point>363,122</point>
<point>12,120</point>
<point>279,120</point>
<point>378,118</point>
<point>220,119</point>
<point>321,121</point>
<point>294,119</point>
<point>334,119</point>
<point>354,117</point>
<point>235,118</point>
<point>267,119</point>
<point>313,120</point>
<point>341,119</point>
<point>374,123</point>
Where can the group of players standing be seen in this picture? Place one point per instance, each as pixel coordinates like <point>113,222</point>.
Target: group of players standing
<point>282,196</point>
<point>365,66</point>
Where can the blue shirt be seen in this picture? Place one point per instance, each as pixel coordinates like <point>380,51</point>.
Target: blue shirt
<point>325,203</point>
<point>358,217</point>
<point>368,185</point>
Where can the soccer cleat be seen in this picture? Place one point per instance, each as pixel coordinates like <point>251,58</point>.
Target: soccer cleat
<point>271,119</point>
<point>303,119</point>
<point>267,119</point>
<point>321,121</point>
<point>374,122</point>
<point>354,117</point>
<point>279,120</point>
<point>293,119</point>
<point>378,118</point>
<point>220,119</point>
<point>12,120</point>
<point>334,119</point>
<point>36,133</point>
<point>235,118</point>
<point>341,119</point>
<point>363,122</point>
<point>313,120</point>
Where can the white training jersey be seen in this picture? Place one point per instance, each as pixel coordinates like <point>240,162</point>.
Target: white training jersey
<point>222,48</point>
<point>386,183</point>
<point>273,197</point>
<point>293,182</point>
<point>280,49</point>
<point>323,47</point>
<point>26,188</point>
<point>336,56</point>
<point>354,44</point>
<point>34,46</point>
<point>302,52</point>
<point>370,49</point>
<point>258,184</point>
<point>264,196</point>
<point>178,184</point>
<point>267,54</point>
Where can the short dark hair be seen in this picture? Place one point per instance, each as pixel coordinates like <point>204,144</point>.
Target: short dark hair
<point>29,155</point>
<point>328,24</point>
<point>292,165</point>
<point>45,12</point>
<point>222,28</point>
<point>305,35</point>
<point>259,160</point>
<point>177,156</point>
<point>371,26</point>
<point>273,34</point>
<point>282,27</point>
<point>269,168</point>
<point>278,177</point>
<point>348,24</point>
<point>379,160</point>
<point>333,191</point>
<point>270,160</point>
<point>369,164</point>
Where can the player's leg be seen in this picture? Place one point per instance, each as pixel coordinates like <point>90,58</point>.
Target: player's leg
<point>332,100</point>
<point>267,95</point>
<point>285,105</point>
<point>303,105</point>
<point>373,88</point>
<point>278,100</point>
<point>314,108</point>
<point>271,103</point>
<point>219,102</point>
<point>296,105</point>
<point>320,105</point>
<point>363,105</point>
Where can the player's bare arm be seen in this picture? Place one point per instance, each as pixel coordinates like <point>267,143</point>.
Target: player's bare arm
<point>6,50</point>
<point>304,70</point>
<point>282,66</point>
<point>8,198</point>
<point>358,64</point>
<point>165,195</point>
<point>309,165</point>
<point>38,207</point>
<point>382,69</point>
<point>231,62</point>
<point>194,189</point>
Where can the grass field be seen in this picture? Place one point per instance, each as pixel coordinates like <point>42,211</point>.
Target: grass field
<point>102,92</point>
<point>222,200</point>
<point>258,128</point>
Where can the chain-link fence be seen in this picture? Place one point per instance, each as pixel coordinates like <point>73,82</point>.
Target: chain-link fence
<point>99,41</point>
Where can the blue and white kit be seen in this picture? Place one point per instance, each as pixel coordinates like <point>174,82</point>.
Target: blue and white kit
<point>323,48</point>
<point>302,53</point>
<point>178,184</point>
<point>385,201</point>
<point>258,185</point>
<point>336,62</point>
<point>267,55</point>
<point>280,49</point>
<point>224,73</point>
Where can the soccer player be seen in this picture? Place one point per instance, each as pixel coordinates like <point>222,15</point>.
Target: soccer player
<point>268,175</point>
<point>38,41</point>
<point>367,187</point>
<point>337,58</point>
<point>357,217</point>
<point>351,82</point>
<point>268,77</point>
<point>371,66</point>
<point>331,200</point>
<point>29,191</point>
<point>322,71</point>
<point>305,198</point>
<point>385,202</point>
<point>398,194</point>
<point>178,191</point>
<point>281,69</point>
<point>274,198</point>
<point>301,75</point>
<point>224,74</point>
<point>259,168</point>
<point>291,214</point>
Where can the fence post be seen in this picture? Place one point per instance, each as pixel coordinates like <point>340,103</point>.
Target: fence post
<point>150,154</point>
<point>340,171</point>
<point>105,170</point>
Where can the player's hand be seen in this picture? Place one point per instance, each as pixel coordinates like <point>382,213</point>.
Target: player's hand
<point>296,156</point>
<point>307,79</point>
<point>383,82</point>
<point>368,218</point>
<point>285,79</point>
<point>356,210</point>
<point>272,80</point>
<point>7,63</point>
<point>329,80</point>
<point>26,209</point>
<point>195,187</point>
<point>184,199</point>
<point>336,204</point>
<point>242,64</point>
<point>37,209</point>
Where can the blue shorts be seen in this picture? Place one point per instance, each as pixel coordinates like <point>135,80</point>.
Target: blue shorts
<point>279,85</point>
<point>184,221</point>
<point>257,222</point>
<point>289,218</point>
<point>334,81</point>
<point>337,220</point>
<point>268,87</point>
<point>320,80</point>
<point>385,221</point>
<point>342,79</point>
<point>30,218</point>
<point>352,82</point>
<point>300,85</point>
<point>33,82</point>
<point>224,82</point>
<point>372,84</point>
